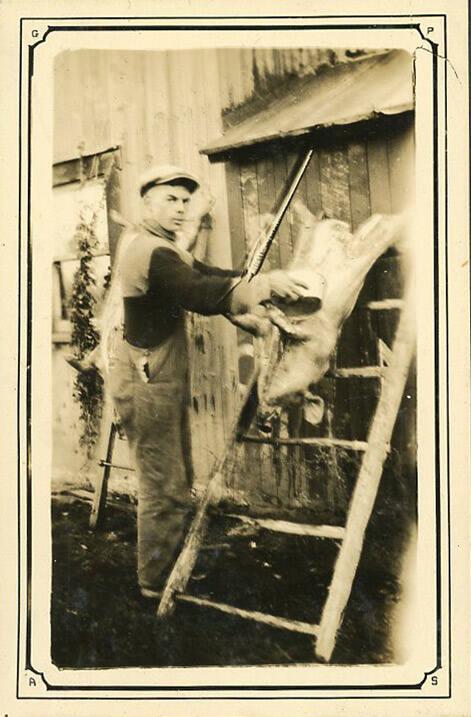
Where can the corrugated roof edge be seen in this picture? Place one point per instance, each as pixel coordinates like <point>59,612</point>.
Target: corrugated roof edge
<point>220,146</point>
<point>400,109</point>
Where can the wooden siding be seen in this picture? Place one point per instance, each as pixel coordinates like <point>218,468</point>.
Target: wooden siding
<point>158,107</point>
<point>347,180</point>
<point>162,107</point>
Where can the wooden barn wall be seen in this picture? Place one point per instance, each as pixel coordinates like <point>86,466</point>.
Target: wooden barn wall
<point>163,107</point>
<point>158,107</point>
<point>348,180</point>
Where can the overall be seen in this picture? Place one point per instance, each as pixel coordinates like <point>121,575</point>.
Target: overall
<point>150,389</point>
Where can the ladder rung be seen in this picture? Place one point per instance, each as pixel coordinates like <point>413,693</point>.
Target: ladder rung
<point>385,304</point>
<point>360,372</point>
<point>115,465</point>
<point>328,442</point>
<point>285,526</point>
<point>280,622</point>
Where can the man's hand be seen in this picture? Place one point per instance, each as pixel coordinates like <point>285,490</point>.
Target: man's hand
<point>284,286</point>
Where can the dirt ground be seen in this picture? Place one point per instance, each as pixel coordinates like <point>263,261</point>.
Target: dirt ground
<point>99,618</point>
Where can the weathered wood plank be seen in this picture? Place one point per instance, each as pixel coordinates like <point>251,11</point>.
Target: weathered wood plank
<point>126,127</point>
<point>236,214</point>
<point>359,371</point>
<point>280,623</point>
<point>300,194</point>
<point>307,441</point>
<point>287,527</point>
<point>201,436</point>
<point>180,66</point>
<point>313,185</point>
<point>238,248</point>
<point>400,148</point>
<point>156,118</point>
<point>283,243</point>
<point>221,387</point>
<point>266,200</point>
<point>113,204</point>
<point>271,460</point>
<point>335,189</point>
<point>209,124</point>
<point>359,186</point>
<point>250,207</point>
<point>385,305</point>
<point>67,104</point>
<point>335,198</point>
<point>378,175</point>
<point>358,333</point>
<point>250,203</point>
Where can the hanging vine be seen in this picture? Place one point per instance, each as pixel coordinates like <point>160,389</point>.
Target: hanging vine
<point>88,385</point>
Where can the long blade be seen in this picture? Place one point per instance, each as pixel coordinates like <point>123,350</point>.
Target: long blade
<point>262,245</point>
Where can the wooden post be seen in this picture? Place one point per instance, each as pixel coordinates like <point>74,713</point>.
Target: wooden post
<point>109,431</point>
<point>368,480</point>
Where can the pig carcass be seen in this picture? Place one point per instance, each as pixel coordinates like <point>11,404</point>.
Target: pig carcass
<point>298,346</point>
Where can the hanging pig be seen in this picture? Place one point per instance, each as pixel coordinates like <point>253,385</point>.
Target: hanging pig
<point>298,351</point>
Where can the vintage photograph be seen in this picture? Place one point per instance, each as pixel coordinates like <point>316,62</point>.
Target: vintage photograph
<point>236,272</point>
<point>234,444</point>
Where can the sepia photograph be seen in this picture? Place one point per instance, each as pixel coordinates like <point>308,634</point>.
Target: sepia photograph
<point>237,354</point>
<point>233,382</point>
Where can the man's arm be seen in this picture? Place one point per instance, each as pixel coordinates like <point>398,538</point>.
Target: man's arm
<point>175,283</point>
<point>209,270</point>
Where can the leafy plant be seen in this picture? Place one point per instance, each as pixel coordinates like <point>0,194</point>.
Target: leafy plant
<point>88,385</point>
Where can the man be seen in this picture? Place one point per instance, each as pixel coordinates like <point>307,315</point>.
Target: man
<point>148,374</point>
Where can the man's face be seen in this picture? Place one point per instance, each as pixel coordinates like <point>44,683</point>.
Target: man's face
<point>167,205</point>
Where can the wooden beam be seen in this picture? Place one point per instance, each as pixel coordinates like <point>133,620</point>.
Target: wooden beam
<point>385,304</point>
<point>272,620</point>
<point>289,528</point>
<point>74,170</point>
<point>359,372</point>
<point>115,465</point>
<point>87,496</point>
<point>308,441</point>
<point>108,435</point>
<point>74,257</point>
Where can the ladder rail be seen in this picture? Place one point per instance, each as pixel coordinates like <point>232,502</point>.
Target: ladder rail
<point>366,486</point>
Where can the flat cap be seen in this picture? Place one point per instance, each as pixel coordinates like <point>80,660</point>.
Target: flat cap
<point>166,174</point>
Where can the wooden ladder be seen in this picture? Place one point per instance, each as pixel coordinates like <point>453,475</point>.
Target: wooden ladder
<point>393,380</point>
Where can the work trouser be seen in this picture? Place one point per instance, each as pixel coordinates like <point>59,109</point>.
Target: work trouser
<point>153,414</point>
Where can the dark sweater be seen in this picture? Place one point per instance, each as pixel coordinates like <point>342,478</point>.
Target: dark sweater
<point>161,281</point>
